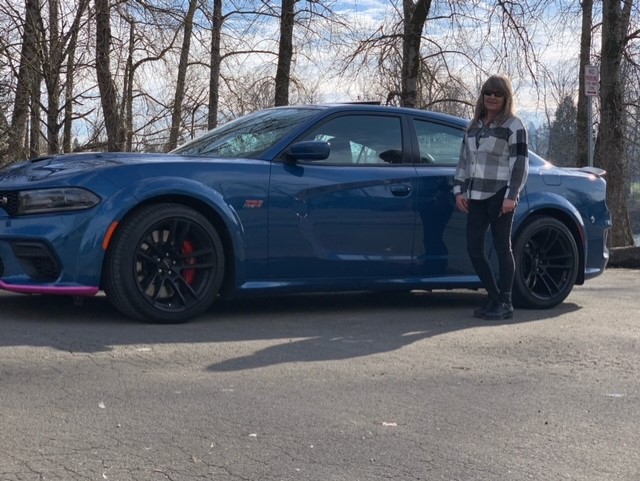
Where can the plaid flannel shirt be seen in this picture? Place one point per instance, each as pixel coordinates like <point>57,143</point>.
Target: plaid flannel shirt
<point>492,157</point>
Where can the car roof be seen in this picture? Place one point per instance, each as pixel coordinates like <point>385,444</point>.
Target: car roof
<point>374,107</point>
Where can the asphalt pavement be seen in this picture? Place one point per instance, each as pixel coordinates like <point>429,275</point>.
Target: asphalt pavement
<point>325,387</point>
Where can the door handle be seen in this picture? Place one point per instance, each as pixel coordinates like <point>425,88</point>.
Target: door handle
<point>400,190</point>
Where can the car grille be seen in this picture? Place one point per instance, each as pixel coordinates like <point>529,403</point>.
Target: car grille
<point>37,260</point>
<point>9,202</point>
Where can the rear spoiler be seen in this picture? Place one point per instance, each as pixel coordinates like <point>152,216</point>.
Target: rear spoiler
<point>593,171</point>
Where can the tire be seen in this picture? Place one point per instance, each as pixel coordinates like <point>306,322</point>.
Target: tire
<point>547,263</point>
<point>165,265</point>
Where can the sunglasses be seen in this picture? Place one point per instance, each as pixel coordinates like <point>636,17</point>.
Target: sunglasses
<point>495,93</point>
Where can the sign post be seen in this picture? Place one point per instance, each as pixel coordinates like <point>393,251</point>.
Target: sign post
<point>591,89</point>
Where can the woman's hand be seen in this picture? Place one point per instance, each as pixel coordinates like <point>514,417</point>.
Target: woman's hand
<point>462,203</point>
<point>508,206</point>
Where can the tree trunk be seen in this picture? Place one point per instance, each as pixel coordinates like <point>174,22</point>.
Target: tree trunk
<point>106,85</point>
<point>36,110</point>
<point>4,132</point>
<point>59,48</point>
<point>52,64</point>
<point>615,22</point>
<point>415,16</point>
<point>583,127</point>
<point>176,116</point>
<point>216,60</point>
<point>68,92</point>
<point>285,53</point>
<point>68,45</point>
<point>26,73</point>
<point>127,97</point>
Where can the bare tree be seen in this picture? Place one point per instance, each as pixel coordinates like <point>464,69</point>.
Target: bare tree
<point>485,37</point>
<point>583,128</point>
<point>153,34</point>
<point>51,68</point>
<point>58,51</point>
<point>425,53</point>
<point>215,62</point>
<point>415,16</point>
<point>240,48</point>
<point>285,52</point>
<point>35,94</point>
<point>4,99</point>
<point>407,54</point>
<point>288,17</point>
<point>146,33</point>
<point>314,19</point>
<point>26,78</point>
<point>4,124</point>
<point>631,74</point>
<point>69,84</point>
<point>176,115</point>
<point>616,17</point>
<point>108,91</point>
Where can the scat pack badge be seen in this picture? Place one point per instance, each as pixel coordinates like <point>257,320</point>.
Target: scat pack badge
<point>253,204</point>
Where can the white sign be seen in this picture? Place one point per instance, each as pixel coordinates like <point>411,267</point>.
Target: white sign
<point>591,81</point>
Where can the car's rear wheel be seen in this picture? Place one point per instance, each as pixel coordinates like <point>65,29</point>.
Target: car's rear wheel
<point>165,264</point>
<point>546,264</point>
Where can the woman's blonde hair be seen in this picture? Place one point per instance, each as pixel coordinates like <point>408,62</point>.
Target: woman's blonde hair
<point>500,83</point>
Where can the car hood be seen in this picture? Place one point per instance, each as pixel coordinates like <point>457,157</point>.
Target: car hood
<point>63,165</point>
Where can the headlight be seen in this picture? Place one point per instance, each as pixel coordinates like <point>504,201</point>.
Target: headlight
<point>55,200</point>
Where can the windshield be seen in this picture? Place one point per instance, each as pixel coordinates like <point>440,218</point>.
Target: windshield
<point>247,136</point>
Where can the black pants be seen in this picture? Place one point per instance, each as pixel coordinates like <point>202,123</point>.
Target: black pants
<point>482,215</point>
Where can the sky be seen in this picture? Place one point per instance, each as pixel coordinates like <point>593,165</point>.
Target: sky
<point>556,42</point>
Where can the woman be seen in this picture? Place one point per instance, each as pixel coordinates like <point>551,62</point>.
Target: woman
<point>491,172</point>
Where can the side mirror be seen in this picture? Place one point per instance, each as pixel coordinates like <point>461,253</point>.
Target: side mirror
<point>309,150</point>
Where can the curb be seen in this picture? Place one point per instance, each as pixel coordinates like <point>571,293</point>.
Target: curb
<point>626,257</point>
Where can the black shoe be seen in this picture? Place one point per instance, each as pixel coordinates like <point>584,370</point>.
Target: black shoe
<point>503,310</point>
<point>490,304</point>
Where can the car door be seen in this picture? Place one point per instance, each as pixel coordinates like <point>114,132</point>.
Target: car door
<point>351,215</point>
<point>440,242</point>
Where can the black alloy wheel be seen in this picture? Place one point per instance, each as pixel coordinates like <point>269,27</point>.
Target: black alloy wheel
<point>165,265</point>
<point>546,263</point>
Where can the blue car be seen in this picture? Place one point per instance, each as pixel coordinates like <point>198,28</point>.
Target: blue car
<point>290,199</point>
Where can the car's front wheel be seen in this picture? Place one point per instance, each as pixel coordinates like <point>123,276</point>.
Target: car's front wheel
<point>165,264</point>
<point>546,264</point>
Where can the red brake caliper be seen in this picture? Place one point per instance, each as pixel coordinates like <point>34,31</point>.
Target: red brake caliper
<point>189,275</point>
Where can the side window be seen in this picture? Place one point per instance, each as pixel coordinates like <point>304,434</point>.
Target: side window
<point>439,144</point>
<point>361,139</point>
